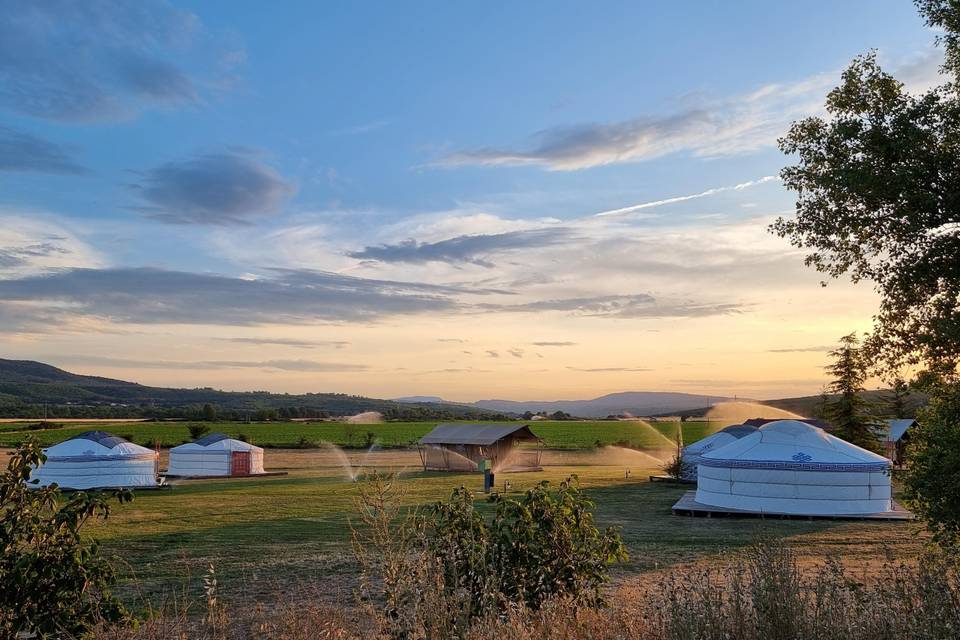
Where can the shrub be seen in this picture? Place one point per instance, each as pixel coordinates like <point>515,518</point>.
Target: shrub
<point>446,568</point>
<point>676,468</point>
<point>197,431</point>
<point>52,582</point>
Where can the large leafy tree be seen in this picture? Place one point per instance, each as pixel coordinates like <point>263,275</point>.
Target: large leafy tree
<point>878,198</point>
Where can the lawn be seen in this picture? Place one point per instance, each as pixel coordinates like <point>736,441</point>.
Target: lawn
<point>271,534</point>
<point>556,435</point>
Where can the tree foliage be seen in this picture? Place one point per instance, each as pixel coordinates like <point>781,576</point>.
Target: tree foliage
<point>932,480</point>
<point>847,410</point>
<point>52,583</point>
<point>897,400</point>
<point>878,198</point>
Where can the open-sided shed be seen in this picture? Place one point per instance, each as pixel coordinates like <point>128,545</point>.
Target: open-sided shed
<point>461,447</point>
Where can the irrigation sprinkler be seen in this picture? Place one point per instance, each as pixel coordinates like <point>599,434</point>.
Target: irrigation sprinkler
<point>488,478</point>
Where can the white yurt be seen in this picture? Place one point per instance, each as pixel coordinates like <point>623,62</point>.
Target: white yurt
<point>791,467</point>
<point>97,460</point>
<point>216,454</point>
<point>692,453</point>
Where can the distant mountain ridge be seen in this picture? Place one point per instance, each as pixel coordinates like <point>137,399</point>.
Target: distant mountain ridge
<point>25,383</point>
<point>641,403</point>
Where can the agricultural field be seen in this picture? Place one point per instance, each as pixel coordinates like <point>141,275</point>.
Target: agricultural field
<point>556,435</point>
<point>274,534</point>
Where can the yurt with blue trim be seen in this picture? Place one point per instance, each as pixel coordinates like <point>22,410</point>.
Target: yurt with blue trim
<point>97,460</point>
<point>793,468</point>
<point>215,455</point>
<point>691,454</point>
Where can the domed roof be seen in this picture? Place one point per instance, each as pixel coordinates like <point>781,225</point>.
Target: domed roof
<point>215,442</point>
<point>721,438</point>
<point>95,444</point>
<point>791,444</point>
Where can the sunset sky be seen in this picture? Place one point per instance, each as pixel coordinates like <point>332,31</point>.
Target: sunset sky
<point>533,200</point>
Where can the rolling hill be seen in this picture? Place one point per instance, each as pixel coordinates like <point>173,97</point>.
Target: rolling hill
<point>640,403</point>
<point>26,383</point>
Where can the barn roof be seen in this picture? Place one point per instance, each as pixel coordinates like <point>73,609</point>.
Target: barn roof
<point>476,434</point>
<point>897,428</point>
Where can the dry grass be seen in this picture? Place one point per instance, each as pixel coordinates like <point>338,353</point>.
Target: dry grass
<point>761,594</point>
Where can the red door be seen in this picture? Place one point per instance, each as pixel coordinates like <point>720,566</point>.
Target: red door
<point>239,463</point>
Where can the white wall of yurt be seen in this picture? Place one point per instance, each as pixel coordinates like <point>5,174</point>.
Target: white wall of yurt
<point>97,460</point>
<point>790,467</point>
<point>213,455</point>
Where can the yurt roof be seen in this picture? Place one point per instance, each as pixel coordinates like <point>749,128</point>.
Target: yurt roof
<point>794,445</point>
<point>739,430</point>
<point>95,444</point>
<point>476,434</point>
<point>102,438</point>
<point>211,438</point>
<point>220,441</point>
<point>719,439</point>
<point>816,422</point>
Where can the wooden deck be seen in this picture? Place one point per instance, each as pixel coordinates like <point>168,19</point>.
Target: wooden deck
<point>688,506</point>
<point>237,477</point>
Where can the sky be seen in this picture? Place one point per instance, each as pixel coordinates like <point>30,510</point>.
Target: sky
<point>535,200</point>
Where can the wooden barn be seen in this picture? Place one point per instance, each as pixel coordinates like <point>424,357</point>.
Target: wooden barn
<point>461,447</point>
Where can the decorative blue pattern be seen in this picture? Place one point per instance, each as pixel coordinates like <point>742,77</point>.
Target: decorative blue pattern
<point>137,456</point>
<point>802,457</point>
<point>842,467</point>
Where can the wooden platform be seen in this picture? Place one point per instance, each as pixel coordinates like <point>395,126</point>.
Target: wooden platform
<point>249,475</point>
<point>688,506</point>
<point>671,480</point>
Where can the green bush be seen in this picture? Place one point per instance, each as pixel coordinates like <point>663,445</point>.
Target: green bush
<point>197,431</point>
<point>52,583</point>
<point>444,569</point>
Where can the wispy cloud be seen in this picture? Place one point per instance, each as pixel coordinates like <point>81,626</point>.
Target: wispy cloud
<point>32,243</point>
<point>283,365</point>
<point>105,60</point>
<point>155,296</point>
<point>802,349</point>
<point>622,306</point>
<point>289,342</point>
<point>469,249</point>
<point>607,369</point>
<point>20,151</point>
<point>220,188</point>
<point>358,129</point>
<point>554,344</point>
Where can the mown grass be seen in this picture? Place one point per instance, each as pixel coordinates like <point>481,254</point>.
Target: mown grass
<point>556,435</point>
<point>269,532</point>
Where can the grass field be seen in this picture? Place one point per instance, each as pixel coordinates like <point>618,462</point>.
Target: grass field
<point>556,435</point>
<point>270,535</point>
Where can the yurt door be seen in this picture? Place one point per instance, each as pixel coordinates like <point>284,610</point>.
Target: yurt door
<point>240,463</point>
